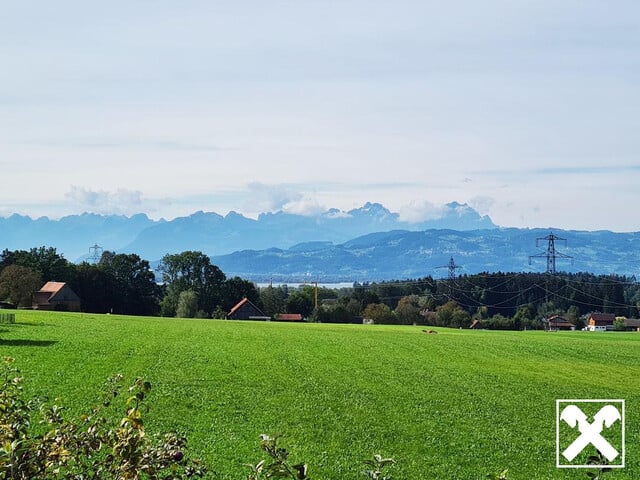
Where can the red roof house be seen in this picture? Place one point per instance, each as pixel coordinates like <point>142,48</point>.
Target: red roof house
<point>556,322</point>
<point>601,319</point>
<point>56,296</point>
<point>245,310</point>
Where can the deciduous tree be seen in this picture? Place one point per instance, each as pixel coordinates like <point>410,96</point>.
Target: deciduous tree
<point>18,284</point>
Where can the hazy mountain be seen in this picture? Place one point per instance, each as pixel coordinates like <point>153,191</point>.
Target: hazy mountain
<point>403,254</point>
<point>215,234</point>
<point>72,235</point>
<point>366,243</point>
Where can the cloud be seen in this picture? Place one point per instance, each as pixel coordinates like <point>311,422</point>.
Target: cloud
<point>420,211</point>
<point>481,204</point>
<point>269,198</point>
<point>273,198</point>
<point>125,144</point>
<point>122,201</point>
<point>305,206</point>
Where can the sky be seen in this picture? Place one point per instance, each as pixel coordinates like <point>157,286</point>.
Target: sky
<point>525,110</point>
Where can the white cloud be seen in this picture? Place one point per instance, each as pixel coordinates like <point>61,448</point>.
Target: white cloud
<point>269,198</point>
<point>481,204</point>
<point>419,211</point>
<point>122,201</point>
<point>305,206</point>
<point>273,198</point>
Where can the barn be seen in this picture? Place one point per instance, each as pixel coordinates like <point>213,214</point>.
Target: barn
<point>56,296</point>
<point>246,310</point>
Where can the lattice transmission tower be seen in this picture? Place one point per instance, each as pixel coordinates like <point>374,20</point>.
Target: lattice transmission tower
<point>452,267</point>
<point>95,253</point>
<point>551,254</point>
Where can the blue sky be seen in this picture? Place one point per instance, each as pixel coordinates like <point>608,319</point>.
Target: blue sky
<point>527,110</point>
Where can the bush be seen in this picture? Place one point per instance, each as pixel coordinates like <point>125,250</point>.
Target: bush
<point>91,446</point>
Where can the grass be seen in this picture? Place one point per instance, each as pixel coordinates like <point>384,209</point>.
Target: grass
<point>456,405</point>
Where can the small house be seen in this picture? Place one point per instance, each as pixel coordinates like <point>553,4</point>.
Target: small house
<point>600,322</point>
<point>56,296</point>
<point>557,323</point>
<point>246,310</point>
<point>632,324</point>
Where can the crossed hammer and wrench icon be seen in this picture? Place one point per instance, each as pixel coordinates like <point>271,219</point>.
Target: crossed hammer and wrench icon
<point>590,432</point>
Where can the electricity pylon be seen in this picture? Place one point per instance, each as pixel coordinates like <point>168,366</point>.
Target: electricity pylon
<point>551,254</point>
<point>452,268</point>
<point>97,253</point>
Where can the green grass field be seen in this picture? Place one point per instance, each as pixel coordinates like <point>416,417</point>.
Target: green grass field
<point>456,405</point>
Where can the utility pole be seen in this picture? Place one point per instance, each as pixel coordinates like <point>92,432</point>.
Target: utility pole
<point>551,254</point>
<point>315,284</point>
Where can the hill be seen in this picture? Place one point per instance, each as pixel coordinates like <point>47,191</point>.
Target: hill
<point>405,254</point>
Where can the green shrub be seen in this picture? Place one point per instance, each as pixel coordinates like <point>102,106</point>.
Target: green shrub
<point>92,446</point>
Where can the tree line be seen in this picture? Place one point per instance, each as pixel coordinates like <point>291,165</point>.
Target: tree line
<point>187,284</point>
<point>125,283</point>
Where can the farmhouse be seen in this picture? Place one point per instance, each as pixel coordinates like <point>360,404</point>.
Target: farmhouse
<point>632,324</point>
<point>56,296</point>
<point>557,323</point>
<point>245,310</point>
<point>600,322</point>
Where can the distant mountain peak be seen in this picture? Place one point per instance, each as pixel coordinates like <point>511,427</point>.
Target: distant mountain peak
<point>374,210</point>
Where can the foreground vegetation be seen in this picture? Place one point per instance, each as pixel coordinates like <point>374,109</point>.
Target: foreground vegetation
<point>456,404</point>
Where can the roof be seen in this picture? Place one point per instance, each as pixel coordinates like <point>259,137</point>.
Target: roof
<point>291,317</point>
<point>56,294</point>
<point>602,318</point>
<point>558,321</point>
<point>240,304</point>
<point>52,287</point>
<point>561,323</point>
<point>632,322</point>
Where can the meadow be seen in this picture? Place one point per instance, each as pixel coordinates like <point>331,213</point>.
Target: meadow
<point>459,404</point>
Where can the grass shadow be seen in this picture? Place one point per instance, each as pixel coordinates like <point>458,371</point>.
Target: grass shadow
<point>31,324</point>
<point>27,343</point>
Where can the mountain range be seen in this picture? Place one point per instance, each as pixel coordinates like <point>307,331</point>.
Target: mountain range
<point>214,234</point>
<point>364,244</point>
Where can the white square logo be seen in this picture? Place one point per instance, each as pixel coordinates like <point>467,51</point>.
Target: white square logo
<point>590,433</point>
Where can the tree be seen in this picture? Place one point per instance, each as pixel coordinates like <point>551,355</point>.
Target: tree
<point>335,314</point>
<point>273,299</point>
<point>18,284</point>
<point>452,315</point>
<point>379,313</point>
<point>44,260</point>
<point>235,289</point>
<point>136,291</point>
<point>96,288</point>
<point>191,270</point>
<point>300,302</point>
<point>187,304</point>
<point>408,310</point>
